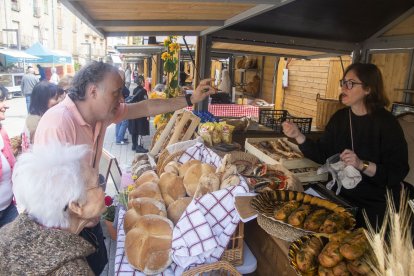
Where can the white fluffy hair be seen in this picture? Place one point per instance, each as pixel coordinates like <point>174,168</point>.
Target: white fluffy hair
<point>48,178</point>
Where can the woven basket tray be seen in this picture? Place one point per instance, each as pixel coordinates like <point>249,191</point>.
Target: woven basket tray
<point>234,252</point>
<point>217,268</point>
<point>266,202</point>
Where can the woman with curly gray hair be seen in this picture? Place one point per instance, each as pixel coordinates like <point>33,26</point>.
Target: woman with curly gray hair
<point>60,194</point>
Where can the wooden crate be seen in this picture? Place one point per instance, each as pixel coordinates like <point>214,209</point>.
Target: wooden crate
<point>287,163</point>
<point>174,129</point>
<point>234,251</point>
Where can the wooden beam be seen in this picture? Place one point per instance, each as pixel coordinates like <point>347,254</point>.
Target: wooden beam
<point>152,23</point>
<point>257,53</point>
<point>258,9</point>
<point>153,33</point>
<point>394,23</point>
<point>253,2</point>
<point>403,41</point>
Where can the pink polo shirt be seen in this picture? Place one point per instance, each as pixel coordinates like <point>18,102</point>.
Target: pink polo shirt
<point>65,124</point>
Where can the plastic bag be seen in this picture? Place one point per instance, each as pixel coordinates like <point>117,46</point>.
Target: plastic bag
<point>227,133</point>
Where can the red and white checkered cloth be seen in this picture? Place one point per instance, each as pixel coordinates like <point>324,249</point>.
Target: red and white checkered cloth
<point>203,231</point>
<point>232,110</point>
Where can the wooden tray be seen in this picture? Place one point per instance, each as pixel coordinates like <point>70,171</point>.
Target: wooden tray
<point>266,201</point>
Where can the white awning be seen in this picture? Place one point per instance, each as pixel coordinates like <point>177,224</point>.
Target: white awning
<point>17,54</point>
<point>116,59</point>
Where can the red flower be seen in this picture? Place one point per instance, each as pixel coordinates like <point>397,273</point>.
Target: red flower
<point>108,201</point>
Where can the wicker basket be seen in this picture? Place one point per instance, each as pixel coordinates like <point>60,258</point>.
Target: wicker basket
<point>234,252</point>
<point>266,202</point>
<point>325,108</point>
<point>157,135</point>
<point>217,268</point>
<point>172,157</point>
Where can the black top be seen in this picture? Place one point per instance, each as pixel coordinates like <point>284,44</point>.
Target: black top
<point>378,138</point>
<point>139,126</point>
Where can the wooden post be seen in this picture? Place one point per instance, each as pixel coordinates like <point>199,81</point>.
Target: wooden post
<point>279,88</point>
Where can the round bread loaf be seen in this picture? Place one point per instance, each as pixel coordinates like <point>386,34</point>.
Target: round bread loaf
<point>232,180</point>
<point>148,189</point>
<point>148,244</point>
<point>184,167</point>
<point>172,167</point>
<point>193,174</point>
<point>141,207</point>
<point>177,208</point>
<point>208,183</point>
<point>147,176</point>
<point>171,187</point>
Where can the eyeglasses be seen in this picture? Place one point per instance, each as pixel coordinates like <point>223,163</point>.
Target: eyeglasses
<point>100,184</point>
<point>348,83</point>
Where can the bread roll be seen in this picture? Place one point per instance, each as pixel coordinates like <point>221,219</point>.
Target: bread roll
<point>148,189</point>
<point>193,174</point>
<point>232,180</point>
<point>177,208</point>
<point>148,176</point>
<point>208,183</point>
<point>172,167</point>
<point>141,207</point>
<point>148,244</point>
<point>171,186</point>
<point>184,167</point>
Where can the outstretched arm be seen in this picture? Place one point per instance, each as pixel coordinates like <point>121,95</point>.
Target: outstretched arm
<point>153,107</point>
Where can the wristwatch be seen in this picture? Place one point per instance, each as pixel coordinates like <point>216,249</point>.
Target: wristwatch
<point>365,165</point>
<point>188,99</point>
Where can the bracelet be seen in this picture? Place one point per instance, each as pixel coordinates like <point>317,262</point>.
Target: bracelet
<point>188,99</point>
<point>365,165</point>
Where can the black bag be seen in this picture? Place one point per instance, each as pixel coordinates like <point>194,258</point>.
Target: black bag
<point>98,260</point>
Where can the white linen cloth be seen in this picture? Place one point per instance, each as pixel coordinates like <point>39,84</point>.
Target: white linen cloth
<point>342,175</point>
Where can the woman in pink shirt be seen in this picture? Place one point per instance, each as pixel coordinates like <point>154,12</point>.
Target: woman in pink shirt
<point>8,211</point>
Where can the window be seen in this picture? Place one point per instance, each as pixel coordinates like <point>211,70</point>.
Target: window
<point>46,6</point>
<point>36,34</point>
<point>15,5</point>
<point>36,9</point>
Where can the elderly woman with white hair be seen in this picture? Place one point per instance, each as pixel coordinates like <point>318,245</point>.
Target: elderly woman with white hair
<point>60,194</point>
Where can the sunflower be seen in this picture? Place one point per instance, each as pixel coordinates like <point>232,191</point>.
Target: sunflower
<point>165,56</point>
<point>174,47</point>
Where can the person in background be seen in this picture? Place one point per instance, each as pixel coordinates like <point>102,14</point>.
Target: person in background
<point>65,83</point>
<point>128,74</point>
<point>29,80</point>
<point>44,96</point>
<point>367,137</point>
<point>55,77</point>
<point>120,128</point>
<point>139,127</point>
<point>8,211</point>
<point>42,72</point>
<point>44,239</point>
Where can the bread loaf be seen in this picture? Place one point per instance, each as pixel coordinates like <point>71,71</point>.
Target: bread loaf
<point>171,186</point>
<point>208,183</point>
<point>193,174</point>
<point>177,208</point>
<point>184,167</point>
<point>232,180</point>
<point>172,167</point>
<point>141,207</point>
<point>148,176</point>
<point>148,244</point>
<point>148,189</point>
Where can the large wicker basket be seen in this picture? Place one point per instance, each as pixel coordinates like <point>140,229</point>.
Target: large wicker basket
<point>266,202</point>
<point>220,268</point>
<point>325,108</point>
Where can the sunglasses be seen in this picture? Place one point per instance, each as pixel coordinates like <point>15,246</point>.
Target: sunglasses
<point>348,83</point>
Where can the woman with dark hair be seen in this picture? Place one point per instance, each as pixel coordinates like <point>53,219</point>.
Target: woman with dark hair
<point>367,137</point>
<point>8,211</point>
<point>44,96</point>
<point>138,127</point>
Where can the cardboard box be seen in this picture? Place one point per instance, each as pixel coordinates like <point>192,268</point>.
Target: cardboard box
<point>287,163</point>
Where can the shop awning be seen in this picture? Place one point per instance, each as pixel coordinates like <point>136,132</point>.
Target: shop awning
<point>49,56</point>
<point>13,56</point>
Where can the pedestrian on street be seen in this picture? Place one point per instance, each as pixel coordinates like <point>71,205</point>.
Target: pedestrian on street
<point>94,102</point>
<point>29,80</point>
<point>128,76</point>
<point>139,127</point>
<point>120,128</point>
<point>42,72</point>
<point>55,77</point>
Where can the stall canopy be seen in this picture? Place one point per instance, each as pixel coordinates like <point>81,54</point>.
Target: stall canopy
<point>12,56</point>
<point>49,56</point>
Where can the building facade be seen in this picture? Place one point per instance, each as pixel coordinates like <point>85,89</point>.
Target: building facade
<point>25,22</point>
